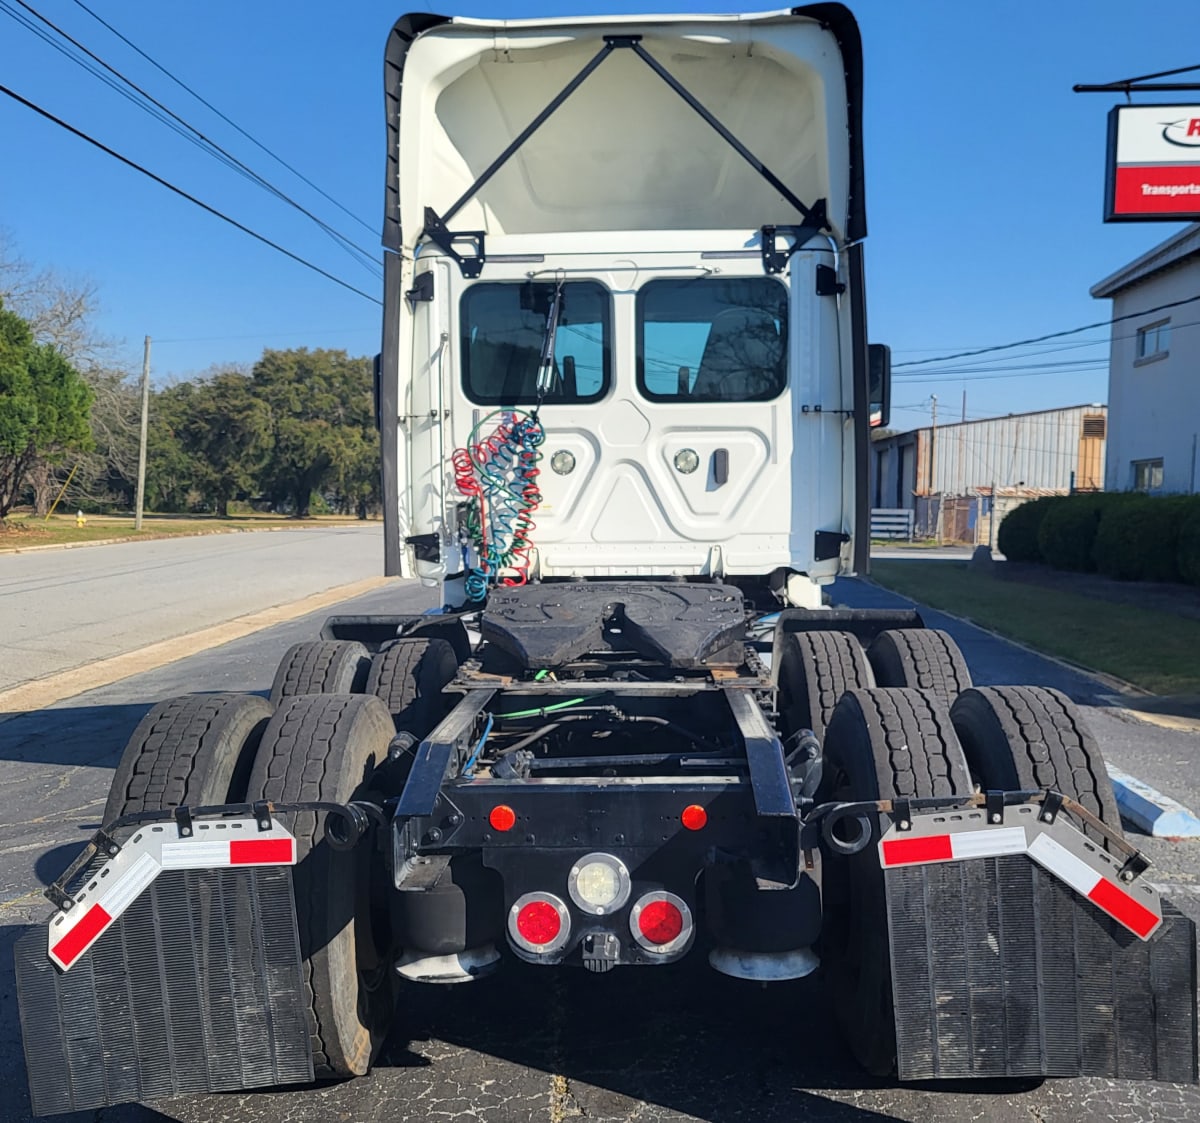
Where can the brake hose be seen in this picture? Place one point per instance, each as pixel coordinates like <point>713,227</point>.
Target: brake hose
<point>499,478</point>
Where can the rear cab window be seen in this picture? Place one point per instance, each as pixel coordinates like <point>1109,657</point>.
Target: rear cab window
<point>502,328</point>
<point>712,340</point>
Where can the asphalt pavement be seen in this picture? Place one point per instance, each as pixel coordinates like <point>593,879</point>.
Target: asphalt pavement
<point>661,1045</point>
<point>64,608</point>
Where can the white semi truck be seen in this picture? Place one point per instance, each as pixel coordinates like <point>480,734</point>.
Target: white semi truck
<point>625,396</point>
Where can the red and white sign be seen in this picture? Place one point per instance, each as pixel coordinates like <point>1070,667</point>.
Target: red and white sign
<point>1153,163</point>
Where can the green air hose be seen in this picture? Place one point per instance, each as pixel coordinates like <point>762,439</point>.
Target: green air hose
<point>545,709</point>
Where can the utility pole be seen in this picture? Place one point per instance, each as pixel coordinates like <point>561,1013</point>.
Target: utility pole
<point>933,466</point>
<point>960,477</point>
<point>141,479</point>
<point>932,441</point>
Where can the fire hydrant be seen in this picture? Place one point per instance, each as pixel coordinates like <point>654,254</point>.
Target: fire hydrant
<point>80,520</point>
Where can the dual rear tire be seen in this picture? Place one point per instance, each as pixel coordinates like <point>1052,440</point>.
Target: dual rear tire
<point>321,740</point>
<point>816,668</point>
<point>891,743</point>
<point>407,676</point>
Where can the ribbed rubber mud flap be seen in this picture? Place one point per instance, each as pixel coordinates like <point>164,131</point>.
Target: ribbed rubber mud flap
<point>999,969</point>
<point>196,988</point>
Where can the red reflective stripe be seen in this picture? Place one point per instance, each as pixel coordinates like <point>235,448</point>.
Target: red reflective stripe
<point>75,942</point>
<point>261,852</point>
<point>903,851</point>
<point>1123,908</point>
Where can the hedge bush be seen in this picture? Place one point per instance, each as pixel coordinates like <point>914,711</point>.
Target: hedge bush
<point>1188,555</point>
<point>1067,533</point>
<point>1139,541</point>
<point>1017,538</point>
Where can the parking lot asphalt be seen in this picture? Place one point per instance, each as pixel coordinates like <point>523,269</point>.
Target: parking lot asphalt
<point>654,1046</point>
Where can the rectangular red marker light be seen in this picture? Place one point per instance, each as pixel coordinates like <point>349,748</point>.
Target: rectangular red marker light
<point>1123,908</point>
<point>75,942</point>
<point>261,852</point>
<point>907,851</point>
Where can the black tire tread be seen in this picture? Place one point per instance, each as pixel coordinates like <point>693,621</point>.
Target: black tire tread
<point>188,750</point>
<point>408,677</point>
<point>917,751</point>
<point>317,747</point>
<point>923,658</point>
<point>1026,737</point>
<point>883,743</point>
<point>817,668</point>
<point>320,667</point>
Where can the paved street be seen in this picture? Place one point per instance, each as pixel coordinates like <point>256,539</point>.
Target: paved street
<point>653,1046</point>
<point>63,608</point>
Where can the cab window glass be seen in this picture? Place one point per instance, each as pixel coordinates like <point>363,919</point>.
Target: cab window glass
<point>503,325</point>
<point>712,340</point>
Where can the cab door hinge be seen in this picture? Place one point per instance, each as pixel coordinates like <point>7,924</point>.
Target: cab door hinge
<point>827,281</point>
<point>422,290</point>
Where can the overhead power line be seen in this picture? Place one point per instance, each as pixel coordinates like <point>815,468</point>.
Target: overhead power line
<point>179,191</point>
<point>1051,335</point>
<point>232,124</point>
<point>360,254</point>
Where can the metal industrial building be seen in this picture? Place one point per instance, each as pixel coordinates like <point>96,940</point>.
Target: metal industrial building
<point>959,480</point>
<point>1154,368</point>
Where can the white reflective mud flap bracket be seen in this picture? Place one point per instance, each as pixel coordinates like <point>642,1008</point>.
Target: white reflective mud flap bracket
<point>176,970</point>
<point>1018,950</point>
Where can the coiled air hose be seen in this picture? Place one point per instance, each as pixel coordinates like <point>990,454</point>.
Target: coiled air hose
<point>498,477</point>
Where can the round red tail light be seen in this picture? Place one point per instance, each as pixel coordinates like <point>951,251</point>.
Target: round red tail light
<point>694,817</point>
<point>539,923</point>
<point>661,922</point>
<point>502,817</point>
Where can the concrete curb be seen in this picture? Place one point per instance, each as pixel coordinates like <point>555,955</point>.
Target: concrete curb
<point>1149,810</point>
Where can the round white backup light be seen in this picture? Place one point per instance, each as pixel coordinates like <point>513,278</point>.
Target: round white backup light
<point>599,884</point>
<point>563,462</point>
<point>686,461</point>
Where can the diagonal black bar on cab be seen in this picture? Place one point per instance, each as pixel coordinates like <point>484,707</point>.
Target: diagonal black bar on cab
<point>529,130</point>
<point>634,42</point>
<point>437,230</point>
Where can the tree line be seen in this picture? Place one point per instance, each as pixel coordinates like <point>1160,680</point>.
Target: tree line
<point>293,433</point>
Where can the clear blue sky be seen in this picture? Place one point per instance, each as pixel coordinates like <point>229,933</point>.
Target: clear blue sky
<point>984,174</point>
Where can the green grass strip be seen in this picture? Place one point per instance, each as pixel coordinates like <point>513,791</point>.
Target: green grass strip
<point>1151,649</point>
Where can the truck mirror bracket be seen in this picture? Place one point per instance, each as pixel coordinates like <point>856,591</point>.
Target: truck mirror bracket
<point>447,240</point>
<point>775,259</point>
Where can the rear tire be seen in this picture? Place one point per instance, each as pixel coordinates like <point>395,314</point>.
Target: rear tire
<point>1025,737</point>
<point>327,747</point>
<point>923,658</point>
<point>408,677</point>
<point>194,750</point>
<point>881,744</point>
<point>815,670</point>
<point>321,667</point>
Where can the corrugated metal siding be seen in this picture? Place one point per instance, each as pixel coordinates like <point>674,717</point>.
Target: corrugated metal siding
<point>1033,450</point>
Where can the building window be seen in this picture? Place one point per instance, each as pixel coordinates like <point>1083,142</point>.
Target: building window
<point>1152,340</point>
<point>1148,475</point>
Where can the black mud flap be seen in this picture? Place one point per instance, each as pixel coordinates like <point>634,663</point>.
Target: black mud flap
<point>196,987</point>
<point>999,969</point>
